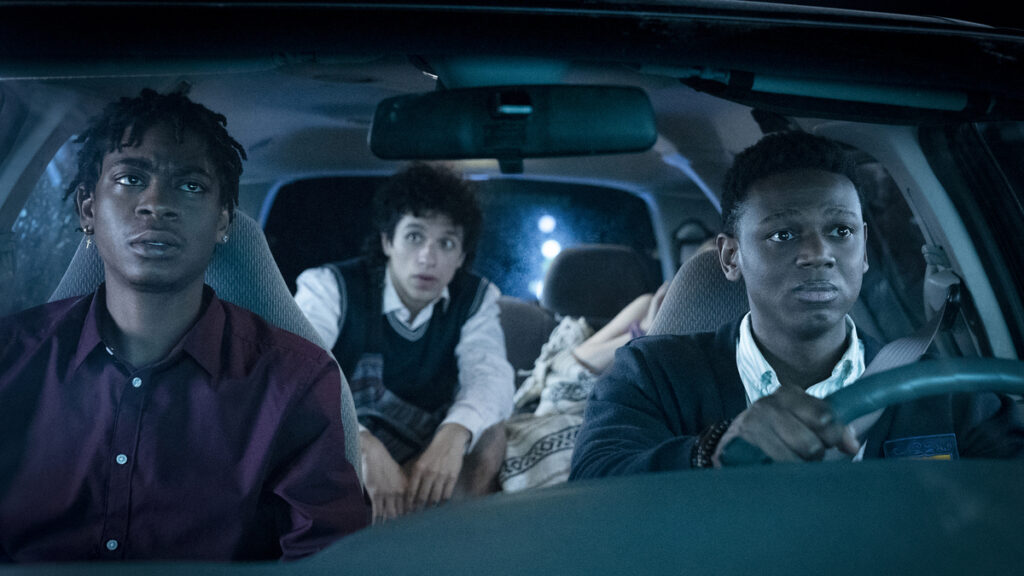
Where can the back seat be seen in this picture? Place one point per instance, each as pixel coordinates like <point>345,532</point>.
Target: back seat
<point>526,326</point>
<point>594,281</point>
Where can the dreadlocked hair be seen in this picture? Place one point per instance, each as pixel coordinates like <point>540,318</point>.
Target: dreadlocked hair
<point>124,123</point>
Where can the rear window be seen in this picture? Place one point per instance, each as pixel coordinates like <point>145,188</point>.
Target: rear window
<point>526,224</point>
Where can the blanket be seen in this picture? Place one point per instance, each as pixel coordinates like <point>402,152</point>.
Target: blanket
<point>548,412</point>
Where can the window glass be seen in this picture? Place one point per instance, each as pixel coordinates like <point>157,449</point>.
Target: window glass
<point>319,220</point>
<point>996,179</point>
<point>45,233</point>
<point>894,283</point>
<point>1006,142</point>
<point>526,223</point>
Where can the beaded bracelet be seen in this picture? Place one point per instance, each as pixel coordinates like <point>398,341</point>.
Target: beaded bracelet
<point>704,447</point>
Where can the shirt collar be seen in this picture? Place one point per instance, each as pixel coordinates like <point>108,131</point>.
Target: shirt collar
<point>202,341</point>
<point>394,306</point>
<point>90,338</point>
<point>759,378</point>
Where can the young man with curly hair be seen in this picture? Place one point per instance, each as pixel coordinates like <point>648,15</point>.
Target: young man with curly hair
<point>418,337</point>
<point>150,419</point>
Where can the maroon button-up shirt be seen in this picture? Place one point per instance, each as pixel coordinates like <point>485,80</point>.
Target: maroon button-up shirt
<point>231,448</point>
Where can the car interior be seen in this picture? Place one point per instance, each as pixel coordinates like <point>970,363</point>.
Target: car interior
<point>597,137</point>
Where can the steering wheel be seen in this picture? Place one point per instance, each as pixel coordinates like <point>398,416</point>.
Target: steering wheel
<point>903,384</point>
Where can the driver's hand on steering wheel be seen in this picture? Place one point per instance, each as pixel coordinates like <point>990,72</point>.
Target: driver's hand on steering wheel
<point>789,426</point>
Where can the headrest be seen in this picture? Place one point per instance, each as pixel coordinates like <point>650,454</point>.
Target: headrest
<point>596,281</point>
<point>700,298</point>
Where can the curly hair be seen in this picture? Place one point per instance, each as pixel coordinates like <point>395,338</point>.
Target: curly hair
<point>125,121</point>
<point>425,190</point>
<point>776,153</point>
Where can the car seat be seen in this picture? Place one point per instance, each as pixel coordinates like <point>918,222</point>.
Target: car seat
<point>690,238</point>
<point>244,273</point>
<point>527,327</point>
<point>596,281</point>
<point>700,297</point>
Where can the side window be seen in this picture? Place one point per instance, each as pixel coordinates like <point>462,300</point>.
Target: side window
<point>980,165</point>
<point>1005,211</point>
<point>1006,142</point>
<point>893,285</point>
<point>45,234</point>
<point>526,224</point>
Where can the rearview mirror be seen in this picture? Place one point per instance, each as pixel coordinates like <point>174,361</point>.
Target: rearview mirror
<point>513,122</point>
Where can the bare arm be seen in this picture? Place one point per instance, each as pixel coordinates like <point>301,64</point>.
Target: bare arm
<point>386,482</point>
<point>598,351</point>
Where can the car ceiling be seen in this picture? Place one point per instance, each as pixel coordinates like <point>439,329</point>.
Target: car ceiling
<point>311,119</point>
<point>299,83</point>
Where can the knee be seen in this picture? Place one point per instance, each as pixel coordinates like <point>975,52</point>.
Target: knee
<point>491,445</point>
<point>479,475</point>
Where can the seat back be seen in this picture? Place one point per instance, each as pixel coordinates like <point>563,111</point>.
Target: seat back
<point>244,273</point>
<point>596,281</point>
<point>527,327</point>
<point>700,297</point>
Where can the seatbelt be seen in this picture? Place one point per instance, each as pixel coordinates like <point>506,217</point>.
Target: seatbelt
<point>903,351</point>
<point>894,354</point>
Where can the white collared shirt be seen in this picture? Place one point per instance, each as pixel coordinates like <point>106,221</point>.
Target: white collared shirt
<point>395,309</point>
<point>486,379</point>
<point>759,378</point>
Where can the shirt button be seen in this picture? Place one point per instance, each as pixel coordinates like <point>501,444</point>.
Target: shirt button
<point>136,382</point>
<point>121,459</point>
<point>111,544</point>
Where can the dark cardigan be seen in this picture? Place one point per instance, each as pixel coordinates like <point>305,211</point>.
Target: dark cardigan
<point>661,392</point>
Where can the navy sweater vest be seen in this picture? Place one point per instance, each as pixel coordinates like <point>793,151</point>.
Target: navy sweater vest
<point>419,365</point>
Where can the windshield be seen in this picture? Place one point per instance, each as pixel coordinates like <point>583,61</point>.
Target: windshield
<point>612,331</point>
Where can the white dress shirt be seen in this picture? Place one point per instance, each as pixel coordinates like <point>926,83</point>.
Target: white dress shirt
<point>759,378</point>
<point>486,379</point>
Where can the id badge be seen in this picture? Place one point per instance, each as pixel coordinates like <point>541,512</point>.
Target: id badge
<point>934,447</point>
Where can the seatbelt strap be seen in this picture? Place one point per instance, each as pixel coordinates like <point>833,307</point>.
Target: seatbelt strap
<point>908,349</point>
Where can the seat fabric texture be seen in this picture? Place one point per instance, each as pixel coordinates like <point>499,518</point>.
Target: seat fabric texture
<point>700,297</point>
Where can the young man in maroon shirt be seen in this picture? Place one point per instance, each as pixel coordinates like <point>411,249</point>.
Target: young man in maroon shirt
<point>151,419</point>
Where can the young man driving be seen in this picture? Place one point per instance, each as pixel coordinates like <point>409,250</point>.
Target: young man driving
<point>150,419</point>
<point>794,232</point>
<point>419,339</point>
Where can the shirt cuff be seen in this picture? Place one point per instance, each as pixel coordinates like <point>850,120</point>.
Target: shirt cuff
<point>469,420</point>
